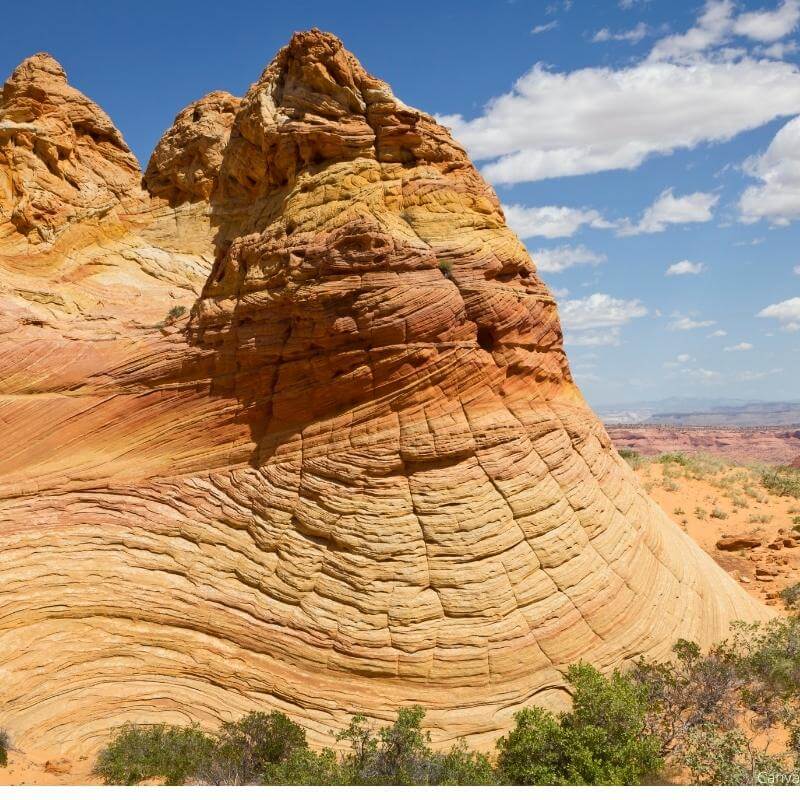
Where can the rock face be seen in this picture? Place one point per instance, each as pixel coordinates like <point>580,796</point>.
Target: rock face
<point>61,158</point>
<point>357,475</point>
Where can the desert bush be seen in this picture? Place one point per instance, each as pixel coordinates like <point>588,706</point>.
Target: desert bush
<point>602,740</point>
<point>248,751</point>
<point>634,459</point>
<point>5,746</point>
<point>716,714</point>
<point>146,752</point>
<point>782,481</point>
<point>700,512</point>
<point>681,459</point>
<point>759,519</point>
<point>401,755</point>
<point>796,524</point>
<point>718,513</point>
<point>446,268</point>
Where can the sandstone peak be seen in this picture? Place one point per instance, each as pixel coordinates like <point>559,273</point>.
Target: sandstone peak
<point>38,68</point>
<point>186,162</point>
<point>61,157</point>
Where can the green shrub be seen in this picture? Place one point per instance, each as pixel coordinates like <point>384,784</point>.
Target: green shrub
<point>634,459</point>
<point>715,714</point>
<point>791,596</point>
<point>146,752</point>
<point>782,481</point>
<point>602,740</point>
<point>681,459</point>
<point>400,755</point>
<point>5,746</point>
<point>718,513</point>
<point>446,268</point>
<point>248,751</point>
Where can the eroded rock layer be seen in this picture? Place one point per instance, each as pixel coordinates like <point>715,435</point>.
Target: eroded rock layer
<point>356,475</point>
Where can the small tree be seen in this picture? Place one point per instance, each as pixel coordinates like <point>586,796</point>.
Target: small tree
<point>602,740</point>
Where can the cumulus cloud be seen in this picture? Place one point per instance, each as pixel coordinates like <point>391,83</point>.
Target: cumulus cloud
<point>557,259</point>
<point>769,26</point>
<point>553,124</point>
<point>682,322</point>
<point>597,319</point>
<point>718,24</point>
<point>685,268</point>
<point>717,334</point>
<point>797,270</point>
<point>671,210</point>
<point>739,348</point>
<point>777,195</point>
<point>787,313</point>
<point>544,28</point>
<point>634,35</point>
<point>551,222</point>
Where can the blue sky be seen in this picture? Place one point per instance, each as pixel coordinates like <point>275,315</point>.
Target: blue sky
<point>628,139</point>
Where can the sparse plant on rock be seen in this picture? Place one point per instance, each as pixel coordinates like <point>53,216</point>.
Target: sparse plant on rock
<point>5,746</point>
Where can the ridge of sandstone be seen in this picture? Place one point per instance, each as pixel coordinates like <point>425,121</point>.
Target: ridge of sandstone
<point>354,474</point>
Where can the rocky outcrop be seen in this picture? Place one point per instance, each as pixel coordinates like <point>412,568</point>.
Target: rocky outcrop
<point>61,158</point>
<point>185,165</point>
<point>356,475</point>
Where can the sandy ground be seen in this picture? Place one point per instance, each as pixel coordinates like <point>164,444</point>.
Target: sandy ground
<point>708,500</point>
<point>733,502</point>
<point>35,769</point>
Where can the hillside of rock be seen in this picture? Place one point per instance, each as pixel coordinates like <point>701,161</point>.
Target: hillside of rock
<point>288,423</point>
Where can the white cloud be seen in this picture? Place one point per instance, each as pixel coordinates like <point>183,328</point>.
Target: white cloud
<point>702,374</point>
<point>671,210</point>
<point>778,50</point>
<point>681,322</point>
<point>557,259</point>
<point>769,26</point>
<point>685,268</point>
<point>787,313</point>
<point>777,197</point>
<point>544,28</point>
<point>712,28</point>
<point>683,358</point>
<point>551,222</point>
<point>596,320</point>
<point>718,333</point>
<point>559,294</point>
<point>738,348</point>
<point>797,270</point>
<point>694,87</point>
<point>717,25</point>
<point>634,35</point>
<point>554,124</point>
<point>749,375</point>
<point>600,311</point>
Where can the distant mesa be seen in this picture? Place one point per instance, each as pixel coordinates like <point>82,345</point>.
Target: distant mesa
<point>357,474</point>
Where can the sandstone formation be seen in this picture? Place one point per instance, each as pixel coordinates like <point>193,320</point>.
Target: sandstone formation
<point>356,475</point>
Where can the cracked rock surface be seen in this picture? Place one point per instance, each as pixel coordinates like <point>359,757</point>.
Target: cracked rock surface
<point>289,424</point>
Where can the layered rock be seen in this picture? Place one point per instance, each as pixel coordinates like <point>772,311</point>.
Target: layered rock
<point>358,476</point>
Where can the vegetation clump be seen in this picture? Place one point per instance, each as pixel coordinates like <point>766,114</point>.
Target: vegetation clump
<point>5,746</point>
<point>717,716</point>
<point>782,481</point>
<point>602,740</point>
